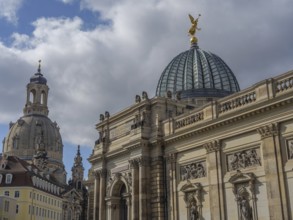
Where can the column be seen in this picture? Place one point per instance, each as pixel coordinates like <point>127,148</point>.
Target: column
<point>102,202</point>
<point>215,177</point>
<point>143,183</point>
<point>272,161</point>
<point>134,198</point>
<point>96,195</point>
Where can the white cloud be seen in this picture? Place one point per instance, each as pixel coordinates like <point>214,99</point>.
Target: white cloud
<point>8,10</point>
<point>93,71</point>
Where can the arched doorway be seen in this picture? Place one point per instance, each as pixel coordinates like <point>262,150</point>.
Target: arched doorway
<point>118,206</point>
<point>123,203</point>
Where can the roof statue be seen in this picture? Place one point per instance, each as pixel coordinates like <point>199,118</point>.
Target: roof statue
<point>193,28</point>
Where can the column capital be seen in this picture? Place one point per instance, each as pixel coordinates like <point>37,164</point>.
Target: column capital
<point>102,172</point>
<point>133,163</point>
<point>96,174</point>
<point>143,161</point>
<point>171,158</point>
<point>268,130</point>
<point>212,146</point>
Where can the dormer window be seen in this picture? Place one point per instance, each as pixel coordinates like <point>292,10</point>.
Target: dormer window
<point>8,179</point>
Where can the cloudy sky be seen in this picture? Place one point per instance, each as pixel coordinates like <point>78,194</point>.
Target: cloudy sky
<point>98,54</point>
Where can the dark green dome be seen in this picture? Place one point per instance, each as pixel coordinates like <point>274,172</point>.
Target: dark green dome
<point>197,73</point>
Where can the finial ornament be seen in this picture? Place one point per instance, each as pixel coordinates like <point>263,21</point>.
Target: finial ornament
<point>39,68</point>
<point>193,28</point>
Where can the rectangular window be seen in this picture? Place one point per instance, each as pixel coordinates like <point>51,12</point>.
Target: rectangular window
<point>8,179</point>
<point>16,194</point>
<point>6,193</point>
<point>30,194</point>
<point>16,209</point>
<point>6,206</point>
<point>37,210</point>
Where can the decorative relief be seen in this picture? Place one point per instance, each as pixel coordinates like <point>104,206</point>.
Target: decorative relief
<point>193,171</point>
<point>290,149</point>
<point>268,130</point>
<point>189,120</point>
<point>244,159</point>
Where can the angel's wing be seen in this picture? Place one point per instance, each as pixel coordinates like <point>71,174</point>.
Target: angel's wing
<point>191,18</point>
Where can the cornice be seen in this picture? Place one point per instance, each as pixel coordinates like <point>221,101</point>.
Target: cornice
<point>225,120</point>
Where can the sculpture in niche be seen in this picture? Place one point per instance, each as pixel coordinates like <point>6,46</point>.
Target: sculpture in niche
<point>193,171</point>
<point>245,197</point>
<point>245,208</point>
<point>193,211</point>
<point>290,149</point>
<point>193,199</point>
<point>243,159</point>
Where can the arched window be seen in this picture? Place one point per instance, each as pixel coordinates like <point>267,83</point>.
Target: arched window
<point>69,214</point>
<point>43,98</point>
<point>78,185</point>
<point>32,96</point>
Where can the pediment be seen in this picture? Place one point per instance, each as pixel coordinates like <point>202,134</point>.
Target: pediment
<point>190,187</point>
<point>240,177</point>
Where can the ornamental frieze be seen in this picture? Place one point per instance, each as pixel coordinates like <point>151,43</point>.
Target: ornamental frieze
<point>193,170</point>
<point>244,159</point>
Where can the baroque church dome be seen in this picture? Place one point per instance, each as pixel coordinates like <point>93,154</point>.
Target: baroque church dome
<point>197,73</point>
<point>35,132</point>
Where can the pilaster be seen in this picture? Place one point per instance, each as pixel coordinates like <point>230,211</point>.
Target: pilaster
<point>102,202</point>
<point>135,190</point>
<point>215,175</point>
<point>143,163</point>
<point>172,185</point>
<point>96,195</point>
<point>275,182</point>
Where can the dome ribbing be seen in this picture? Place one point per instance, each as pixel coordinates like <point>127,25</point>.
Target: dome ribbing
<point>197,73</point>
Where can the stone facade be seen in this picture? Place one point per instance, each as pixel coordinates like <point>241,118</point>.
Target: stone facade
<point>231,158</point>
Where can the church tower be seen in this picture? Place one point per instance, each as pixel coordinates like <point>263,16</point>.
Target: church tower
<point>77,170</point>
<point>34,137</point>
<point>37,95</point>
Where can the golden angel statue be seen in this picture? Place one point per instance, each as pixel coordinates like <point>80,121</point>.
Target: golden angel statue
<point>193,28</point>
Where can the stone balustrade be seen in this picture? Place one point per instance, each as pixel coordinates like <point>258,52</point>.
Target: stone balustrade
<point>260,92</point>
<point>284,84</point>
<point>238,102</point>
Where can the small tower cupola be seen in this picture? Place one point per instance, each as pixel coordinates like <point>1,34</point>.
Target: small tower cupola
<point>37,94</point>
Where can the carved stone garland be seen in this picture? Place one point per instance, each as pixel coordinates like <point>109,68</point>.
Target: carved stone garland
<point>244,192</point>
<point>193,200</point>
